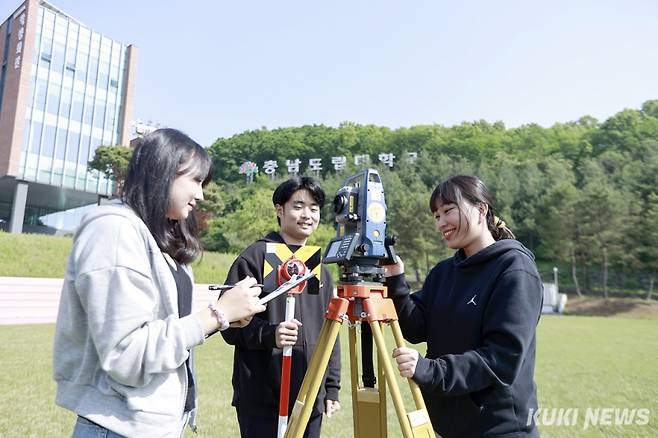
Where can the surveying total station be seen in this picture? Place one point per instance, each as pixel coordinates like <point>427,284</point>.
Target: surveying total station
<point>358,248</point>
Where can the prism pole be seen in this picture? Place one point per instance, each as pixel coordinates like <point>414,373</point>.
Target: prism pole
<point>286,364</point>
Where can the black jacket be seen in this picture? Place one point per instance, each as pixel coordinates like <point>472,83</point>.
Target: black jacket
<point>257,360</point>
<point>478,316</point>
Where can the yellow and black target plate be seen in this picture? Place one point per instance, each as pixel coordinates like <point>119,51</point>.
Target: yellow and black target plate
<point>277,253</point>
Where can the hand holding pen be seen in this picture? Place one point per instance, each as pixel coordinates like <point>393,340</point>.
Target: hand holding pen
<point>283,288</point>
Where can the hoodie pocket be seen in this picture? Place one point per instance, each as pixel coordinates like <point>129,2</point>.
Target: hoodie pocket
<point>163,395</point>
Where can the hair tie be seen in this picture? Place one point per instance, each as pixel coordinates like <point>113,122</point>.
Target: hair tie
<point>498,223</point>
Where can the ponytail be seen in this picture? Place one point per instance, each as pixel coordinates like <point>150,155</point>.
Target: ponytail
<point>497,227</point>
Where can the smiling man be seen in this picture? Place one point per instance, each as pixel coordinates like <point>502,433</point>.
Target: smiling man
<point>258,346</point>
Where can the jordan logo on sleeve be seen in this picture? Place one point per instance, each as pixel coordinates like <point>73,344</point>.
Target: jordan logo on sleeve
<point>472,301</point>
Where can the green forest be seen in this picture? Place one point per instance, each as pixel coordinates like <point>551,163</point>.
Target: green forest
<point>582,195</point>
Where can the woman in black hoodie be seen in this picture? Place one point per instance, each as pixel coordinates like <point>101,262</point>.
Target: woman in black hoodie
<point>478,313</point>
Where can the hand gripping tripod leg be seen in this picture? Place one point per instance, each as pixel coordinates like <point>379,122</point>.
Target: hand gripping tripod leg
<point>361,302</point>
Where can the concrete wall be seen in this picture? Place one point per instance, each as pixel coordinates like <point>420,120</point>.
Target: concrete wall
<point>35,300</point>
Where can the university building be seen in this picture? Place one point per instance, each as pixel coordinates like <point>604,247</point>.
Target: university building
<point>64,90</point>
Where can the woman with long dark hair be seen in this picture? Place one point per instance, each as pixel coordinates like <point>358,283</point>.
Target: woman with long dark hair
<point>125,330</point>
<point>478,313</point>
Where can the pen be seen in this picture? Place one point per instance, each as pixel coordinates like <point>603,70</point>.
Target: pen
<point>285,287</point>
<point>223,287</point>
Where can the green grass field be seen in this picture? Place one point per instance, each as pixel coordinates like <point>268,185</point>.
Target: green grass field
<point>582,362</point>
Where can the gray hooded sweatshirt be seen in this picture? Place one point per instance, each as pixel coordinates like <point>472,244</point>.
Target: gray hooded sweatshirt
<point>120,347</point>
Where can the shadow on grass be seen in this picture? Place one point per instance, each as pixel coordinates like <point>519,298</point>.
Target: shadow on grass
<point>594,306</point>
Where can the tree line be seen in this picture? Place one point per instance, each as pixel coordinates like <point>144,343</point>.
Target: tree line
<point>582,195</point>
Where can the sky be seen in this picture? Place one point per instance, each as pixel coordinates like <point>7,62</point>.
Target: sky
<point>218,68</point>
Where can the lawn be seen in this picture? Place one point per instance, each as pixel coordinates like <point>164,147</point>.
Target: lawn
<point>583,363</point>
<point>37,255</point>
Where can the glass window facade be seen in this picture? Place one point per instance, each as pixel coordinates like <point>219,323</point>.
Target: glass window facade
<point>77,83</point>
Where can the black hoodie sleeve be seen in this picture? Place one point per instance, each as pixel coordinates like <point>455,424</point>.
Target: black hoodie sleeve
<point>259,333</point>
<point>411,308</point>
<point>508,331</point>
<point>332,382</point>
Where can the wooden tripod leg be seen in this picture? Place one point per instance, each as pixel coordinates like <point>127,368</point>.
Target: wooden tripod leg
<point>415,390</point>
<point>419,420</point>
<point>308,392</point>
<point>354,374</point>
<point>390,379</point>
<point>368,403</point>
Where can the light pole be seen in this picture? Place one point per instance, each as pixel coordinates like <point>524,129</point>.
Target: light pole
<point>555,278</point>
